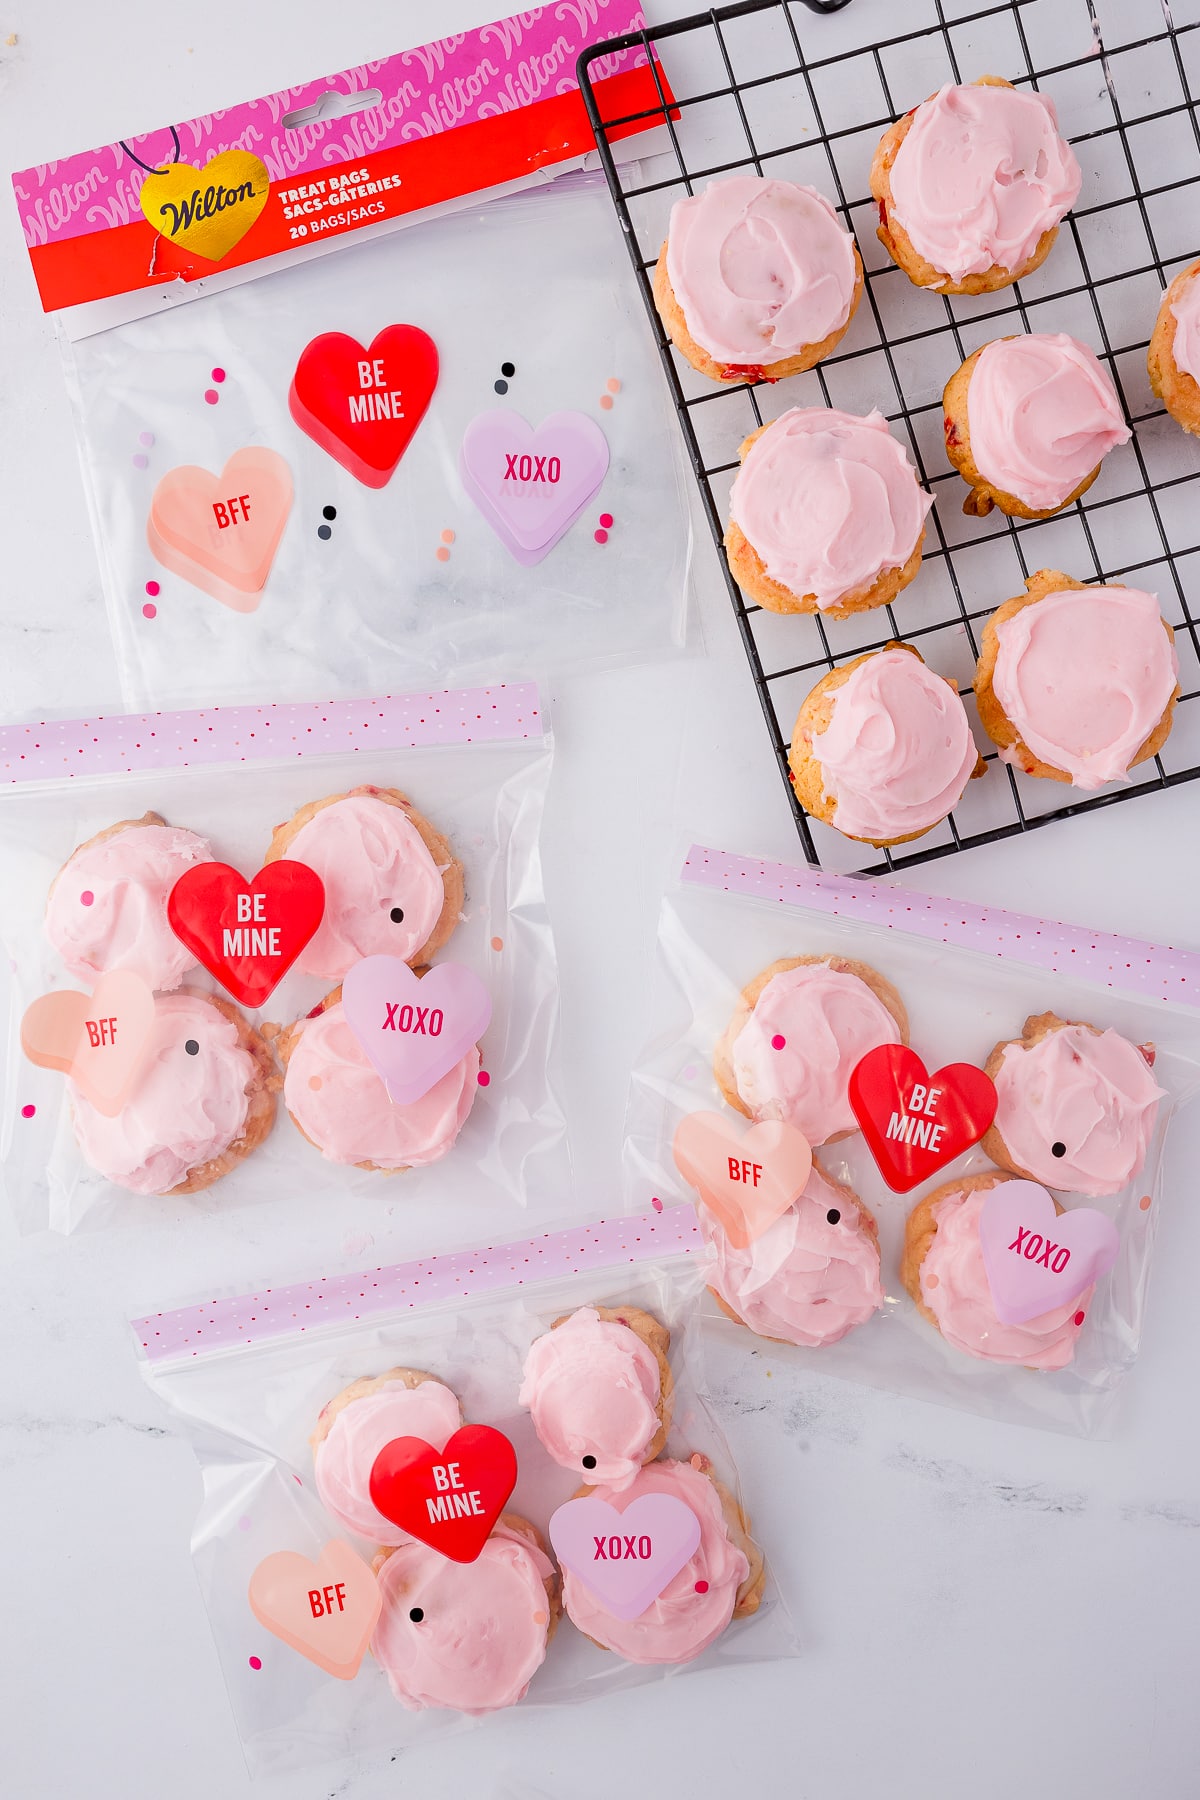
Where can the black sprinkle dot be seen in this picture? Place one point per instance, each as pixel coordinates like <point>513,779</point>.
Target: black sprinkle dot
<point>1058,1149</point>
<point>323,531</point>
<point>416,1615</point>
<point>589,1462</point>
<point>508,368</point>
<point>192,1047</point>
<point>329,512</point>
<point>397,915</point>
<point>501,387</point>
<point>833,1215</point>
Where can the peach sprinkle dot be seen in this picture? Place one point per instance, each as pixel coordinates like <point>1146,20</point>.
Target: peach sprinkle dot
<point>447,537</point>
<point>1144,1203</point>
<point>442,554</point>
<point>606,402</point>
<point>613,385</point>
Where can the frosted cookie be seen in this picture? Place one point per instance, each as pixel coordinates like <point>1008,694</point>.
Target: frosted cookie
<point>799,1029</point>
<point>1077,683</point>
<point>341,1105</point>
<point>107,906</point>
<point>810,1278</point>
<point>757,279</point>
<point>1173,359</point>
<point>826,514</point>
<point>943,1270</point>
<point>972,186</point>
<point>355,1426</point>
<point>468,1637</point>
<point>1029,420</point>
<point>205,1098</point>
<point>393,886</point>
<point>1076,1106</point>
<point>882,748</point>
<point>721,1581</point>
<point>598,1385</point>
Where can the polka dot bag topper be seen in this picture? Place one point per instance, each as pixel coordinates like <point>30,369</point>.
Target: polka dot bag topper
<point>298,480</point>
<point>267,950</point>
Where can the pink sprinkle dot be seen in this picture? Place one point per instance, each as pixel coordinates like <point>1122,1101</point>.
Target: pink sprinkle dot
<point>601,537</point>
<point>656,1203</point>
<point>27,1112</point>
<point>702,1587</point>
<point>256,1662</point>
<point>442,554</point>
<point>149,611</point>
<point>218,374</point>
<point>212,396</point>
<point>152,588</point>
<point>140,460</point>
<point>606,520</point>
<point>613,385</point>
<point>1080,1317</point>
<point>146,437</point>
<point>483,1078</point>
<point>606,402</point>
<point>777,1042</point>
<point>87,897</point>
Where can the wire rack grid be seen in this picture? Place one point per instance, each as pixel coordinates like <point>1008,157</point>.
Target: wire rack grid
<point>764,85</point>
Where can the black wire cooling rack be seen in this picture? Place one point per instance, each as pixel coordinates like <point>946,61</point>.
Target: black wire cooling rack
<point>764,85</point>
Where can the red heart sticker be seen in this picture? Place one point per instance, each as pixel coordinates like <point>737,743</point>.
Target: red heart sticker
<point>246,933</point>
<point>363,406</point>
<point>915,1123</point>
<point>449,1499</point>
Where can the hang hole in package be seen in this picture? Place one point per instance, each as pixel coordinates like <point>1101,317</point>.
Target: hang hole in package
<point>361,398</point>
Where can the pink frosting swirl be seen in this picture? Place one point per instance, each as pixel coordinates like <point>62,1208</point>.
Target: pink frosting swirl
<point>108,906</point>
<point>1092,1096</point>
<point>681,1623</point>
<point>1042,414</point>
<point>343,1459</point>
<point>897,752</point>
<point>761,268</point>
<point>981,173</point>
<point>373,862</point>
<point>828,1020</point>
<point>483,1626</point>
<point>810,1278</point>
<point>829,501</point>
<point>1085,675</point>
<point>187,1107</point>
<point>593,1389</point>
<point>954,1286</point>
<point>339,1101</point>
<point>1185,345</point>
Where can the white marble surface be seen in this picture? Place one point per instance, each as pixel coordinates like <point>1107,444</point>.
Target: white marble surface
<point>984,1610</point>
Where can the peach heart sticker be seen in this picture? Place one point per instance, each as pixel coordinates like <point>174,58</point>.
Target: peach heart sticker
<point>325,1609</point>
<point>99,1040</point>
<point>746,1178</point>
<point>207,210</point>
<point>221,532</point>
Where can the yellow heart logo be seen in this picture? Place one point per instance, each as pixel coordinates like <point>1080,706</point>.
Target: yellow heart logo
<point>209,210</point>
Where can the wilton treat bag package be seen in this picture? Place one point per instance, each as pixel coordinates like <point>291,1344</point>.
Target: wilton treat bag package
<point>263,950</point>
<point>441,1489</point>
<point>340,436</point>
<point>926,1141</point>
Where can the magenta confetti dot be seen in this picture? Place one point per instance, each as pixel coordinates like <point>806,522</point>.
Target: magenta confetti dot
<point>149,611</point>
<point>601,537</point>
<point>777,1042</point>
<point>256,1662</point>
<point>212,396</point>
<point>218,374</point>
<point>483,1078</point>
<point>140,461</point>
<point>656,1203</point>
<point>702,1587</point>
<point>152,588</point>
<point>146,437</point>
<point>606,519</point>
<point>86,898</point>
<point>27,1112</point>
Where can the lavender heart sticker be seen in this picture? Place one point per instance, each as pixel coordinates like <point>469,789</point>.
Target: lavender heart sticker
<point>531,485</point>
<point>414,1029</point>
<point>626,1558</point>
<point>1036,1259</point>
